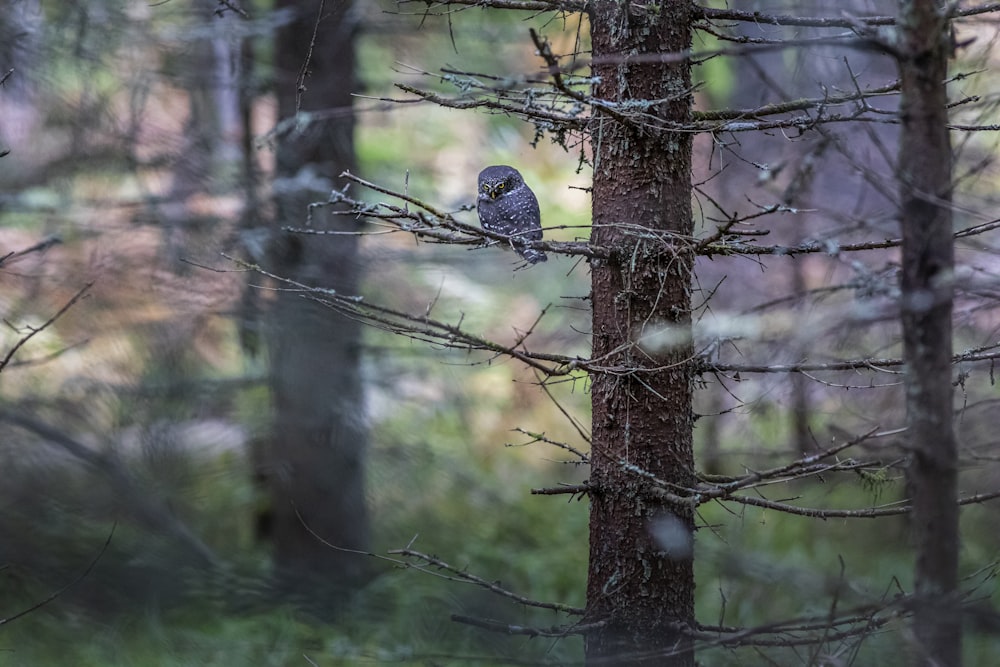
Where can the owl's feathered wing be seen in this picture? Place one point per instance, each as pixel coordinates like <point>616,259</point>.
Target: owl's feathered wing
<point>526,221</point>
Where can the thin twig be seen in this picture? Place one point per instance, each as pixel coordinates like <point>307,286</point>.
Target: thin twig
<point>35,330</point>
<point>488,585</point>
<point>83,575</point>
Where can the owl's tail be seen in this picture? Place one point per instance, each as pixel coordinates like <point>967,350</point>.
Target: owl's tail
<point>530,255</point>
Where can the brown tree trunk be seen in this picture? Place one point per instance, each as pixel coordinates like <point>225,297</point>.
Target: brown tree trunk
<point>928,268</point>
<point>640,578</point>
<point>314,466</point>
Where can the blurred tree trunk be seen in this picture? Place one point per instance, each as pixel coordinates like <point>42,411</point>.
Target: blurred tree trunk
<point>925,160</point>
<point>192,170</point>
<point>314,466</point>
<point>640,578</point>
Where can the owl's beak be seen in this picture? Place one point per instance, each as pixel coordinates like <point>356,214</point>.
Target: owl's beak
<point>494,193</point>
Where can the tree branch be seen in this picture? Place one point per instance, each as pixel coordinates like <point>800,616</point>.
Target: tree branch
<point>509,629</point>
<point>83,575</point>
<point>156,515</point>
<point>493,587</point>
<point>35,330</point>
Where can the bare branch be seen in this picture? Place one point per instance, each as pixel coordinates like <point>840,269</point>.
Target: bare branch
<point>797,466</point>
<point>493,587</point>
<point>984,353</point>
<point>229,5</point>
<point>83,575</point>
<point>35,330</point>
<point>523,5</point>
<point>757,17</point>
<point>540,437</point>
<point>423,327</point>
<point>41,246</point>
<point>574,122</point>
<point>509,629</point>
<point>796,105</point>
<point>570,489</point>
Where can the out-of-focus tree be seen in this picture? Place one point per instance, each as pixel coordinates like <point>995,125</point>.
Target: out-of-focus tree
<point>313,461</point>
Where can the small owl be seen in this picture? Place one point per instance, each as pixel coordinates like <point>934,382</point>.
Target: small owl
<point>508,206</point>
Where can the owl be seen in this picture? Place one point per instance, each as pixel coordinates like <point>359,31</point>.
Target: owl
<point>507,206</point>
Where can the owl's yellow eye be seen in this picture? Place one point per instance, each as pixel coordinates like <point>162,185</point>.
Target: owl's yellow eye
<point>486,188</point>
<point>500,186</point>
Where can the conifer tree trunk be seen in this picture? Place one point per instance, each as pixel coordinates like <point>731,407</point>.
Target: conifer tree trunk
<point>925,160</point>
<point>640,577</point>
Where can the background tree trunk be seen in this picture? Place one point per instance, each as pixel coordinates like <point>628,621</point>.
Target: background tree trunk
<point>314,465</point>
<point>640,577</point>
<point>925,159</point>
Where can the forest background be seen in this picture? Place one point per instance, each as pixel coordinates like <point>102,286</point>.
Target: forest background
<point>141,167</point>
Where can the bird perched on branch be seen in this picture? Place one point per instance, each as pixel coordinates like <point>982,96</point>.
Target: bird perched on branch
<point>508,206</point>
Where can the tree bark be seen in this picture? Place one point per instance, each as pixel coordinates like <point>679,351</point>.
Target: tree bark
<point>314,465</point>
<point>925,160</point>
<point>640,583</point>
